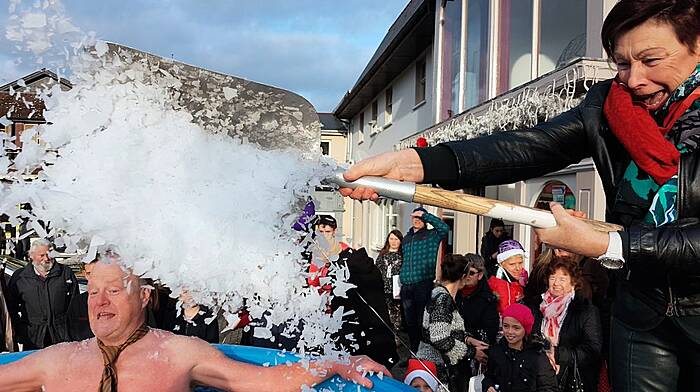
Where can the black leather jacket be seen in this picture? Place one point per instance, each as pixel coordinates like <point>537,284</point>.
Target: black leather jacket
<point>662,273</point>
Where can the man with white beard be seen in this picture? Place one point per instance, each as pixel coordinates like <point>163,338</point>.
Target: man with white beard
<point>38,299</point>
<point>125,353</point>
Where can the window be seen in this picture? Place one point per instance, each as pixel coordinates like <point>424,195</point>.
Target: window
<point>361,128</point>
<point>388,106</point>
<point>420,81</point>
<point>562,33</point>
<point>383,219</point>
<point>515,63</point>
<point>373,128</point>
<point>451,58</point>
<point>477,56</point>
<point>325,147</point>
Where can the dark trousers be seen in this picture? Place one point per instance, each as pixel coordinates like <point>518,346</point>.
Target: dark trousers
<point>414,297</point>
<point>663,359</point>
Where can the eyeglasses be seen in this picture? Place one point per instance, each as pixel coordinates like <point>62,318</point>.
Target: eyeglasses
<point>473,272</point>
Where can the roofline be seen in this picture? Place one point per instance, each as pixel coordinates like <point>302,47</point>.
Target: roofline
<point>401,27</point>
<point>35,75</point>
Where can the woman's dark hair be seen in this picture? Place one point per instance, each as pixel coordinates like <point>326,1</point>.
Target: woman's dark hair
<point>682,15</point>
<point>571,267</point>
<point>385,248</point>
<point>453,267</point>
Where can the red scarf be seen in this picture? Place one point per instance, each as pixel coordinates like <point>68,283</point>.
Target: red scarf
<point>643,139</point>
<point>553,310</point>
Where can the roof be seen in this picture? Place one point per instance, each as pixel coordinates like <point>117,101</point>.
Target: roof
<point>409,36</point>
<point>22,107</point>
<point>35,76</point>
<point>329,122</point>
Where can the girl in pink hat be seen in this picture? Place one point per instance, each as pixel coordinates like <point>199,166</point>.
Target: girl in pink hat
<point>518,363</point>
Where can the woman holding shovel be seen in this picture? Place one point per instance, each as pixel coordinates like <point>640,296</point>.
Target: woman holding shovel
<point>642,131</point>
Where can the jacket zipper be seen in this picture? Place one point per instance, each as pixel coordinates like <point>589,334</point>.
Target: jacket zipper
<point>671,307</point>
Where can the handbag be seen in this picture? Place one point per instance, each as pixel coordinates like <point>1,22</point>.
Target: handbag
<point>571,382</point>
<point>475,381</point>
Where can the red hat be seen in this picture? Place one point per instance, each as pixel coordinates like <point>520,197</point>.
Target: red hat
<point>521,313</point>
<point>421,369</point>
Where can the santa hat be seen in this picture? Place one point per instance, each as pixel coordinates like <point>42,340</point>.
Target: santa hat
<point>508,249</point>
<point>521,313</point>
<point>421,369</point>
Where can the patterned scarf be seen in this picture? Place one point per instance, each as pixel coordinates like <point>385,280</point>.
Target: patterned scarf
<point>554,310</point>
<point>649,187</point>
<point>110,355</point>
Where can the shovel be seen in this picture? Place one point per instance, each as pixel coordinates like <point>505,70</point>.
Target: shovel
<point>423,194</point>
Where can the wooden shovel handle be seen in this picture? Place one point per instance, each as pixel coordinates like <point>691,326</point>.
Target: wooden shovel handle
<point>496,209</point>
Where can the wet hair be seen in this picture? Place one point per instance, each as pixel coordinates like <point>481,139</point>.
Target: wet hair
<point>385,248</point>
<point>453,267</point>
<point>682,15</point>
<point>571,267</point>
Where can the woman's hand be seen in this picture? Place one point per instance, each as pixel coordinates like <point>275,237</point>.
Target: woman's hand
<point>357,368</point>
<point>491,389</point>
<point>404,165</point>
<point>572,234</point>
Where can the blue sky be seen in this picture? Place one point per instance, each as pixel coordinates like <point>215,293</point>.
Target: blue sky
<point>316,48</point>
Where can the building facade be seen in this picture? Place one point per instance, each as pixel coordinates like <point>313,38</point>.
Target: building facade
<point>457,69</point>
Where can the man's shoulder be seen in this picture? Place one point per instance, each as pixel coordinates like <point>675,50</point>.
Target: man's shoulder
<point>179,343</point>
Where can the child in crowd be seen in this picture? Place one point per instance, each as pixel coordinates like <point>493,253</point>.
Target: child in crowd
<point>518,362</point>
<point>421,375</point>
<point>511,275</point>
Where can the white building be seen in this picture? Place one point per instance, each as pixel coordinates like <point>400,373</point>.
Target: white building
<point>450,69</point>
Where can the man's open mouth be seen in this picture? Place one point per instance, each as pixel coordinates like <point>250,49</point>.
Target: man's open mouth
<point>104,315</point>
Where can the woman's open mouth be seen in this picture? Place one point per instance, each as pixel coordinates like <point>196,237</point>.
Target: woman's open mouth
<point>652,101</point>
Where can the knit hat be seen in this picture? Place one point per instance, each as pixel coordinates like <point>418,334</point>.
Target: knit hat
<point>417,369</point>
<point>509,249</point>
<point>521,313</point>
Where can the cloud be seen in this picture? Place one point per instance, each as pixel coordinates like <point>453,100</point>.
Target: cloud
<point>316,48</point>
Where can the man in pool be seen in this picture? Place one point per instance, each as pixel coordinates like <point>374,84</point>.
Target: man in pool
<point>128,355</point>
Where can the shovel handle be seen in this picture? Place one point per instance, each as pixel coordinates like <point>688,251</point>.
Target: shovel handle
<point>496,209</point>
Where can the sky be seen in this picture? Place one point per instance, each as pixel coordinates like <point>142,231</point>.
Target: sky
<point>315,48</point>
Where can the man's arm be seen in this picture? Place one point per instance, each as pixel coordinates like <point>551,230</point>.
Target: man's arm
<point>212,368</point>
<point>26,374</point>
<point>442,228</point>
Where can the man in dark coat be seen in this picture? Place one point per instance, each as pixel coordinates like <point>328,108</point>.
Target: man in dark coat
<point>368,326</point>
<point>39,297</point>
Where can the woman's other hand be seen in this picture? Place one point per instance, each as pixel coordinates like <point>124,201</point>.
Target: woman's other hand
<point>572,234</point>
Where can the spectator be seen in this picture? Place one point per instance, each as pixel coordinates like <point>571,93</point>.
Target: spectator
<point>389,263</point>
<point>572,325</point>
<point>477,304</point>
<point>489,244</point>
<point>192,319</point>
<point>420,248</point>
<point>518,361</point>
<point>366,329</point>
<point>39,295</point>
<point>421,375</point>
<point>506,283</point>
<point>445,341</point>
<point>327,250</point>
<point>7,342</point>
<point>79,323</point>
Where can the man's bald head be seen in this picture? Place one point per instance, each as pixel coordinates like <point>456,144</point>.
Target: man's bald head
<point>116,302</point>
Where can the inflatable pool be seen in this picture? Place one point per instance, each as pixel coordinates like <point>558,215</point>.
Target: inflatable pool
<point>265,356</point>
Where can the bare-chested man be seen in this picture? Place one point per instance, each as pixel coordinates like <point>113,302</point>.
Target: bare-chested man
<point>159,360</point>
